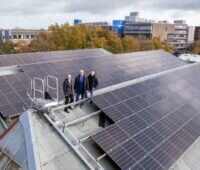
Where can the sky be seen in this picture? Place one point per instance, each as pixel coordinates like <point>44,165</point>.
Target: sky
<point>38,14</point>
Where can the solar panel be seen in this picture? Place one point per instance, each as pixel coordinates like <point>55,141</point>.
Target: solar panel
<point>145,142</point>
<point>122,158</point>
<point>164,123</point>
<point>149,163</point>
<point>116,69</point>
<point>30,58</point>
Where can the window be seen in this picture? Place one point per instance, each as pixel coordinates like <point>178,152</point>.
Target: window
<point>32,36</point>
<point>14,36</point>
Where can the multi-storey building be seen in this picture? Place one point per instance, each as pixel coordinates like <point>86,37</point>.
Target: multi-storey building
<point>146,29</point>
<point>178,33</point>
<point>91,24</point>
<point>77,21</point>
<point>197,33</point>
<point>191,34</point>
<point>17,34</point>
<point>104,24</point>
<point>118,27</point>
<point>179,39</point>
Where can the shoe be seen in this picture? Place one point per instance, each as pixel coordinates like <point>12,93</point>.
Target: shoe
<point>81,105</point>
<point>66,110</point>
<point>70,108</point>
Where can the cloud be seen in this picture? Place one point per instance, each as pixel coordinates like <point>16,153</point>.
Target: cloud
<point>20,7</point>
<point>29,7</point>
<point>40,13</point>
<point>176,4</point>
<point>37,7</point>
<point>99,6</point>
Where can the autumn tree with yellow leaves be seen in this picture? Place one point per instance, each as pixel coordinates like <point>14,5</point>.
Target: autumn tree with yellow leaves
<point>66,37</point>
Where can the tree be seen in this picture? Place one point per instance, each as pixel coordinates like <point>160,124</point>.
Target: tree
<point>196,48</point>
<point>7,47</point>
<point>22,47</point>
<point>66,37</point>
<point>155,44</point>
<point>113,42</point>
<point>159,44</point>
<point>42,43</point>
<point>130,44</point>
<point>146,45</point>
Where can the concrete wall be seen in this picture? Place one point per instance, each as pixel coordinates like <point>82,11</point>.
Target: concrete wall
<point>191,34</point>
<point>162,30</point>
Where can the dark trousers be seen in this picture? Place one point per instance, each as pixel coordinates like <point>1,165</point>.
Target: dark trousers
<point>82,95</point>
<point>69,99</point>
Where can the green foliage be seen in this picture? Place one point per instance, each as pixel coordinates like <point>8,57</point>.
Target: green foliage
<point>7,47</point>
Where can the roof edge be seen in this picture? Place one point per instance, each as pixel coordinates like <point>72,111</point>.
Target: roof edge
<point>31,141</point>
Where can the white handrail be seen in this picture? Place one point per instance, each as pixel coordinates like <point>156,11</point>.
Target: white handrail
<point>52,88</point>
<point>42,91</point>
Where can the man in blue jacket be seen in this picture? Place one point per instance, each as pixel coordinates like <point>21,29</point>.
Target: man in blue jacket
<point>81,86</point>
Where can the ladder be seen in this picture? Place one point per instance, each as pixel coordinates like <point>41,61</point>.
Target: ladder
<point>38,87</point>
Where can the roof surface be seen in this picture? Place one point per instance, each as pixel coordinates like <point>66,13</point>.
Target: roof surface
<point>33,144</point>
<point>117,68</point>
<point>156,120</point>
<point>155,117</point>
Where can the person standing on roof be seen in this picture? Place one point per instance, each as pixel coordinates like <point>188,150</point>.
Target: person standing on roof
<point>68,92</point>
<point>92,84</point>
<point>81,86</point>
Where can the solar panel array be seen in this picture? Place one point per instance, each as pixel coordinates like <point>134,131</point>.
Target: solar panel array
<point>156,121</point>
<point>30,58</point>
<point>110,70</point>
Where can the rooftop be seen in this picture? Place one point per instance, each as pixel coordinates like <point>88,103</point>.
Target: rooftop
<point>148,120</point>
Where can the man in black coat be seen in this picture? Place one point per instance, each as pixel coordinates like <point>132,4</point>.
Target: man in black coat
<point>92,83</point>
<point>68,92</point>
<point>80,86</point>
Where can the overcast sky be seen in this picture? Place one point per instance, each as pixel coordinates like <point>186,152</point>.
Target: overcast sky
<point>42,13</point>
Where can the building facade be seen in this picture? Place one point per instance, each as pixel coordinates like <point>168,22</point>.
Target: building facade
<point>179,39</point>
<point>118,27</point>
<point>18,34</point>
<point>197,33</point>
<point>177,33</point>
<point>104,24</point>
<point>190,34</point>
<point>77,21</point>
<point>91,24</point>
<point>146,29</point>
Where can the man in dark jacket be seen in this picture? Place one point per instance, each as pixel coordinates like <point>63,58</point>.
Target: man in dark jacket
<point>92,83</point>
<point>80,86</point>
<point>68,92</point>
